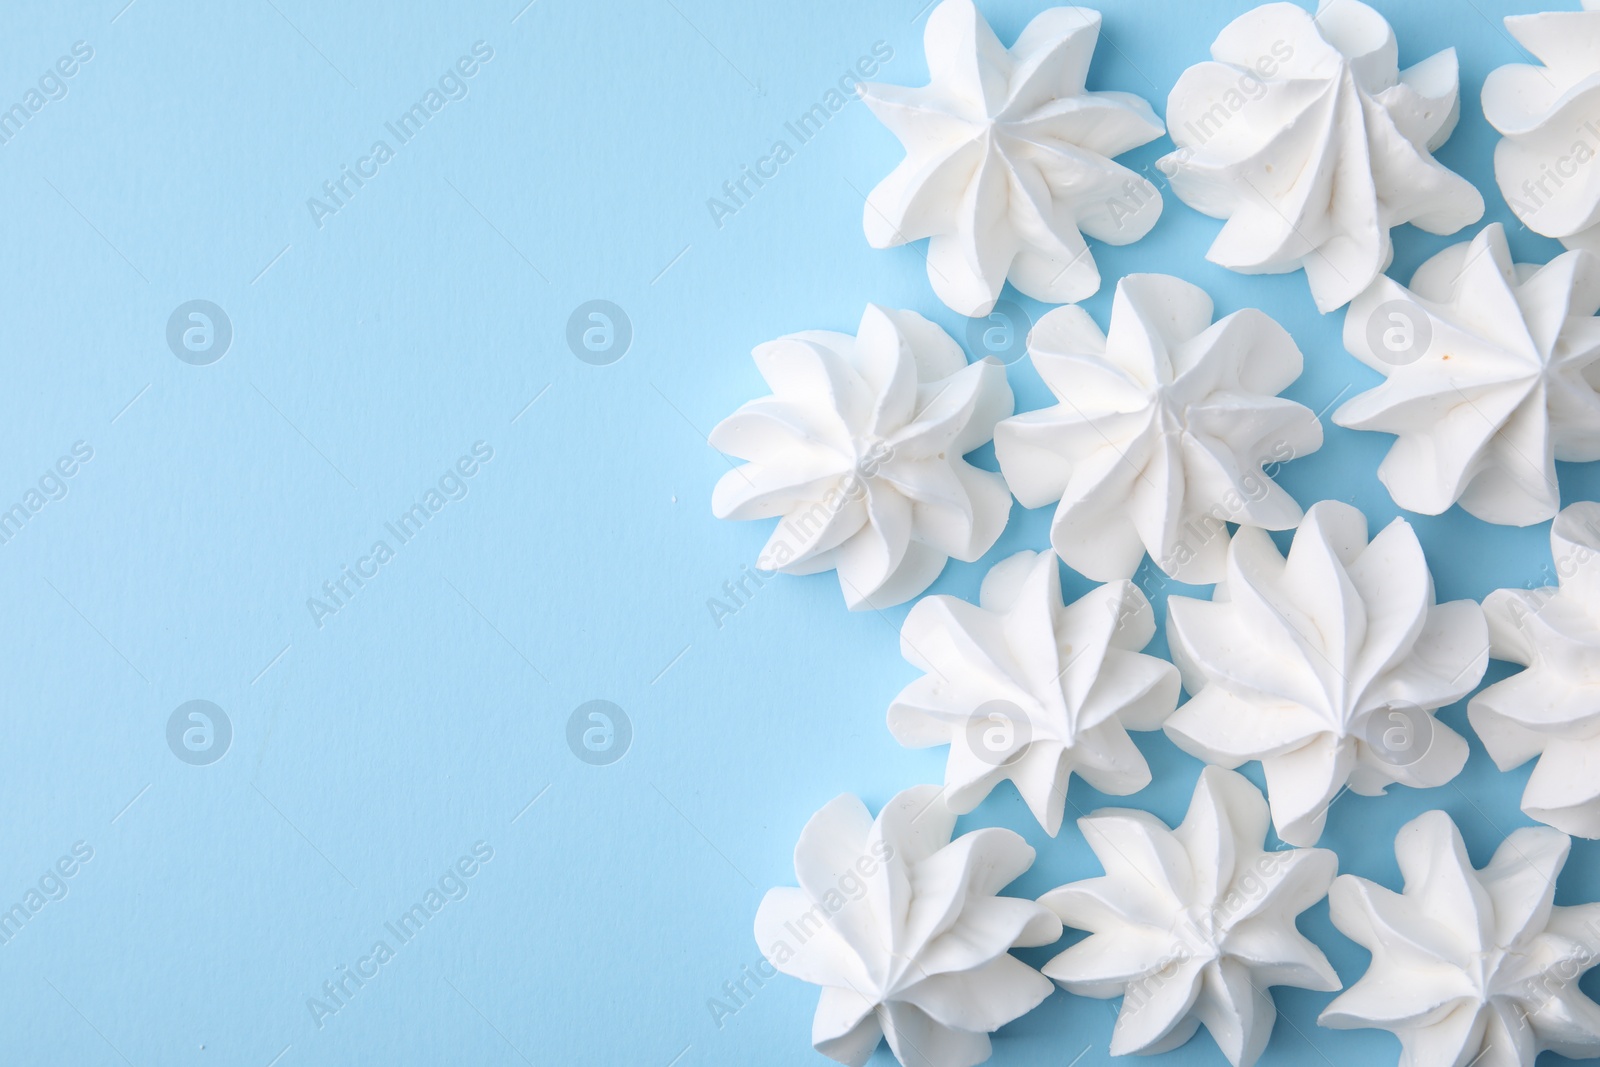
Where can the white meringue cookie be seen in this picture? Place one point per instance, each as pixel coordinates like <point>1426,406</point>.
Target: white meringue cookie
<point>1550,118</point>
<point>1161,431</point>
<point>1307,137</point>
<point>1470,966</point>
<point>1491,368</point>
<point>859,450</point>
<point>903,930</point>
<point>1552,709</point>
<point>1325,666</point>
<point>1022,687</point>
<point>1008,158</point>
<point>1191,926</point>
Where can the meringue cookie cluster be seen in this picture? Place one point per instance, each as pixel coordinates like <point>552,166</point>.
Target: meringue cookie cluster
<point>1327,663</point>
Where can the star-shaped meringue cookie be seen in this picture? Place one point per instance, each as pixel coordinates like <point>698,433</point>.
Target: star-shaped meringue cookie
<point>1470,966</point>
<point>1191,926</point>
<point>1551,710</point>
<point>1161,431</point>
<point>1550,118</point>
<point>1008,160</point>
<point>859,451</point>
<point>1326,666</point>
<point>904,932</point>
<point>1023,687</point>
<point>1307,137</point>
<point>1491,368</point>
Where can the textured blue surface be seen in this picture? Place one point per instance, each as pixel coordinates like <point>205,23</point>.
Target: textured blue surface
<point>371,753</point>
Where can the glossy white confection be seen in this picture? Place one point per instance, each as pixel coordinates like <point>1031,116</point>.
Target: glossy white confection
<point>1326,666</point>
<point>858,450</point>
<point>1008,160</point>
<point>1550,117</point>
<point>1022,687</point>
<point>1470,966</point>
<point>902,929</point>
<point>1192,926</point>
<point>1307,137</point>
<point>1160,433</point>
<point>1491,368</point>
<point>1551,710</point>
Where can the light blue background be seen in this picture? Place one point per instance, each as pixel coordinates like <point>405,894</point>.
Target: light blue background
<point>425,716</point>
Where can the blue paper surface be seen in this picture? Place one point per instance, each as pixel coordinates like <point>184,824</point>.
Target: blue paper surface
<point>399,325</point>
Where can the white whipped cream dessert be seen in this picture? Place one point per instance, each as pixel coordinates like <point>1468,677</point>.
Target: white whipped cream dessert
<point>1304,134</point>
<point>1009,160</point>
<point>1551,711</point>
<point>1161,431</point>
<point>1549,116</point>
<point>1492,369</point>
<point>1470,966</point>
<point>858,453</point>
<point>904,932</point>
<point>1190,927</point>
<point>1023,687</point>
<point>1326,665</point>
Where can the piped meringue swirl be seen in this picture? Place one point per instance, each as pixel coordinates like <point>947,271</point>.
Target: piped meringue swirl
<point>1026,688</point>
<point>904,932</point>
<point>1492,369</point>
<point>1470,966</point>
<point>1009,160</point>
<point>1551,710</point>
<point>1161,431</point>
<point>1549,116</point>
<point>1191,926</point>
<point>1326,666</point>
<point>1304,134</point>
<point>859,451</point>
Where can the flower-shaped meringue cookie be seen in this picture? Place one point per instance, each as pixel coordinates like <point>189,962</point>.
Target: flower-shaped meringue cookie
<point>1307,137</point>
<point>1023,687</point>
<point>1491,370</point>
<point>1161,431</point>
<point>1552,709</point>
<point>1470,966</point>
<point>1191,926</point>
<point>1326,666</point>
<point>859,451</point>
<point>902,929</point>
<point>1550,118</point>
<point>1008,160</point>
